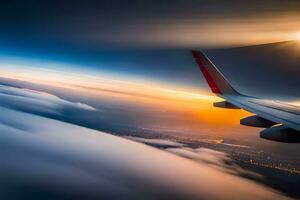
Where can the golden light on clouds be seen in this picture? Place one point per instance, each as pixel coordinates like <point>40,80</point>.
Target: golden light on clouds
<point>296,103</point>
<point>102,83</point>
<point>195,103</point>
<point>162,108</point>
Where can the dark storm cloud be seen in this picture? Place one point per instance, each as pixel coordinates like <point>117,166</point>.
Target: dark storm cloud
<point>146,23</point>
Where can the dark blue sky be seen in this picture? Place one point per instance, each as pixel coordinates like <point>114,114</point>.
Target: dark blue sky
<point>157,65</point>
<point>147,23</point>
<point>152,39</point>
<point>263,70</point>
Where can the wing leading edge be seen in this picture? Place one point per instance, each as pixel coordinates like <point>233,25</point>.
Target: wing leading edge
<point>269,113</point>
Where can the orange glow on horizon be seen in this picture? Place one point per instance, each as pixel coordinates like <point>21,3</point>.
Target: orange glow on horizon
<point>196,104</point>
<point>92,84</point>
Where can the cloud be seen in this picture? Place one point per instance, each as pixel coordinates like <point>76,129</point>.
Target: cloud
<point>45,157</point>
<point>215,159</point>
<point>84,106</point>
<point>45,104</point>
<point>56,159</point>
<point>160,143</point>
<point>212,158</point>
<point>37,100</point>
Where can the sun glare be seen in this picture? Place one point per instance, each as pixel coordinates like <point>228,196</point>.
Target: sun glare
<point>297,36</point>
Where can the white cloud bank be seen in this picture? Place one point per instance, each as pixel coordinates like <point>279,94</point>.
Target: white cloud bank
<point>36,100</point>
<point>41,158</point>
<point>48,157</point>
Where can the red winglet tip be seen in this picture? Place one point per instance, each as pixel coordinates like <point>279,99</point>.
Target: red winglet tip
<point>213,86</point>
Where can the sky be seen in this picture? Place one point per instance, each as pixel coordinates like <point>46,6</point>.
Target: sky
<point>176,23</point>
<point>269,70</point>
<point>149,41</point>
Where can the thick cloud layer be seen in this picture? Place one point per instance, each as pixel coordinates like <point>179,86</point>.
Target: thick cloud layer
<point>37,101</point>
<point>47,159</point>
<point>49,105</point>
<point>215,159</point>
<point>41,158</point>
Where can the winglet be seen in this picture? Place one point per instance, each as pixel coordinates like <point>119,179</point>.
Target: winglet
<point>216,81</point>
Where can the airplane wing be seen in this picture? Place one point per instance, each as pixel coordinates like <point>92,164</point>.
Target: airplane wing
<point>281,119</point>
